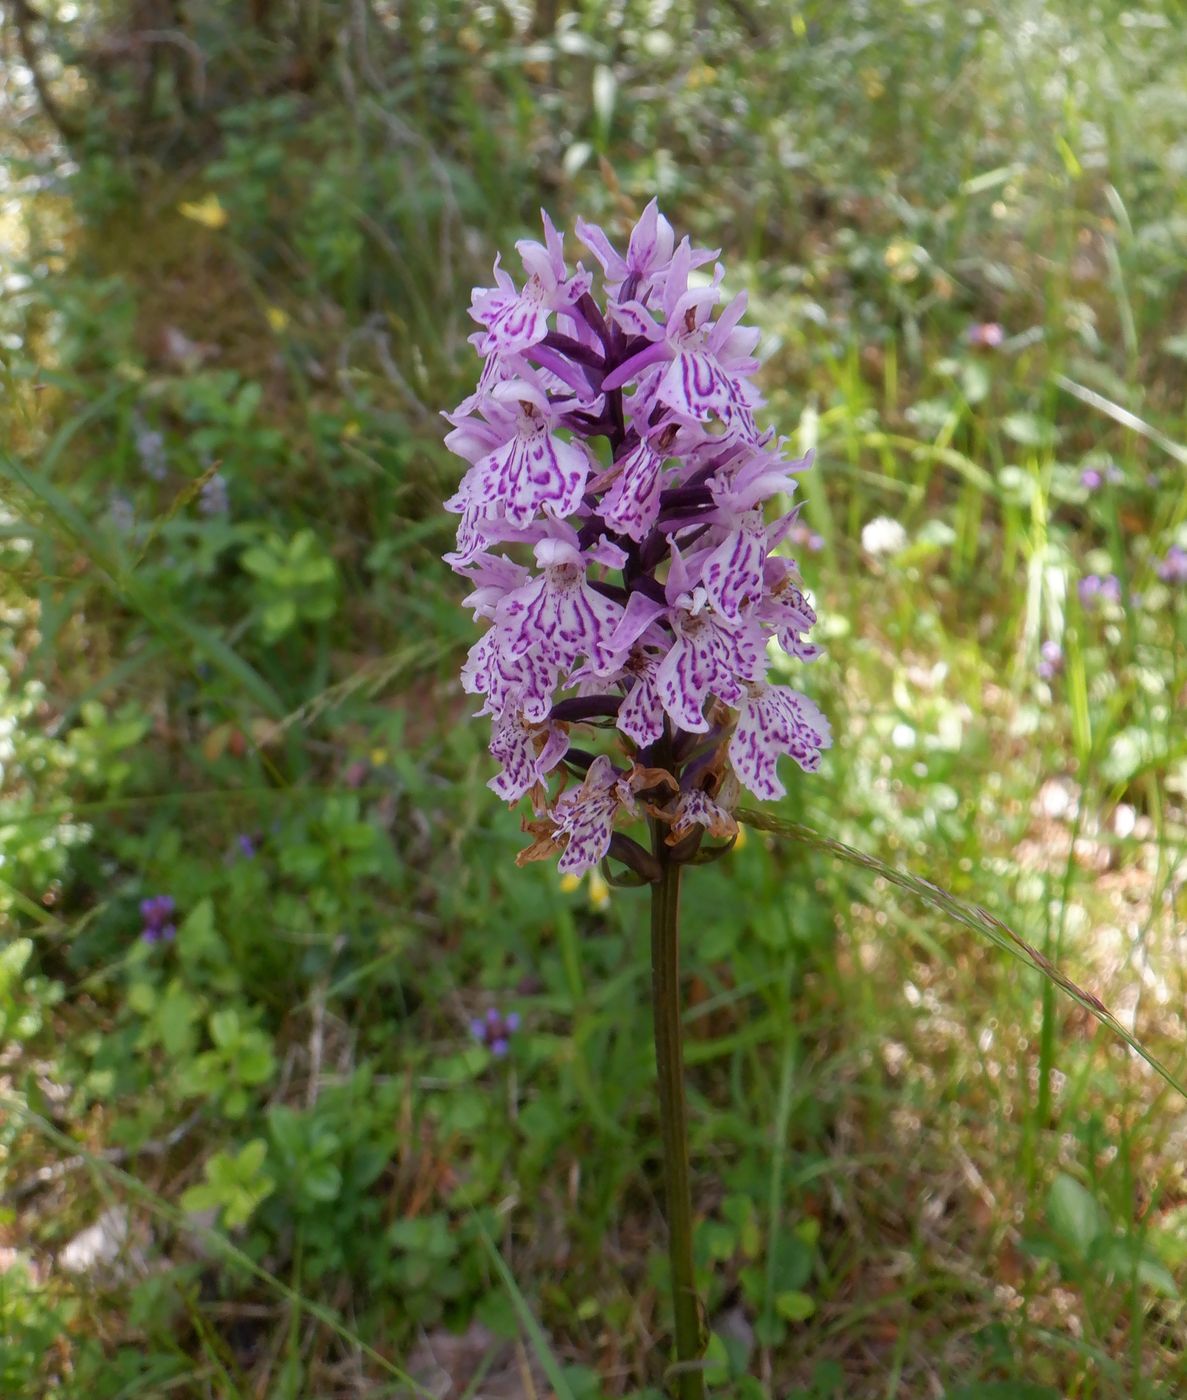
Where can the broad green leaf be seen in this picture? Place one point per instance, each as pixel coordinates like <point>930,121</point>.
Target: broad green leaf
<point>1073,1214</point>
<point>323,1182</point>
<point>251,1157</point>
<point>224,1026</point>
<point>13,958</point>
<point>794,1305</point>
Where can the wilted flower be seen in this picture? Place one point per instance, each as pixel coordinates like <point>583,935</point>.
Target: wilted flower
<point>1093,589</point>
<point>1173,568</point>
<point>657,581</point>
<point>157,913</point>
<point>883,536</point>
<point>1050,660</point>
<point>495,1030</point>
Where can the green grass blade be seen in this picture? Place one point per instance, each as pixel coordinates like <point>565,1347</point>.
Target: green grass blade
<point>972,916</point>
<point>548,1363</point>
<point>169,622</point>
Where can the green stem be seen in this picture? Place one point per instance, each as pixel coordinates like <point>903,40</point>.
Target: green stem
<point>669,1064</point>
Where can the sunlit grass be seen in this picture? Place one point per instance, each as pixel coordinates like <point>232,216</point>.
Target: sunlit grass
<point>875,1091</point>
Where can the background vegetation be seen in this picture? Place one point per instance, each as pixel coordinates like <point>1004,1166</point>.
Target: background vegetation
<point>266,1157</point>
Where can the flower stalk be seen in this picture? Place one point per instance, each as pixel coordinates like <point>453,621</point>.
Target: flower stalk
<point>612,447</point>
<point>667,1005</point>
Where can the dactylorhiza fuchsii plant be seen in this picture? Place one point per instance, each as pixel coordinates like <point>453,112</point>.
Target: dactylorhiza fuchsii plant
<point>612,441</point>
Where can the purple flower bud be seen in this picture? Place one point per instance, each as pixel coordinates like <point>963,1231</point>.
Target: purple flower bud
<point>498,1047</point>
<point>121,513</point>
<point>214,498</point>
<point>150,449</point>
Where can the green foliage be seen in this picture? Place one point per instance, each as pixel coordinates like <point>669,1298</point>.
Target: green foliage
<point>228,673</point>
<point>235,1184</point>
<point>31,1323</point>
<point>1085,1245</point>
<point>295,582</point>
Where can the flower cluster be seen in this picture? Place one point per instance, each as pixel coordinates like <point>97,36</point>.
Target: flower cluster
<point>614,442</point>
<point>1094,589</point>
<point>157,913</point>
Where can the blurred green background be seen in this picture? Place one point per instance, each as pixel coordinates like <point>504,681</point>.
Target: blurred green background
<point>266,1158</point>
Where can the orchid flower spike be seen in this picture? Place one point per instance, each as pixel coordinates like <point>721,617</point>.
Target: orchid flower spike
<point>640,598</point>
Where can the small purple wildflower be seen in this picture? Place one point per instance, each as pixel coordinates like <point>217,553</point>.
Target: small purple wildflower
<point>1093,589</point>
<point>1173,568</point>
<point>150,449</point>
<point>1050,660</point>
<point>495,1030</point>
<point>157,913</point>
<point>658,580</point>
<point>1093,478</point>
<point>121,513</point>
<point>986,335</point>
<point>246,845</point>
<point>213,498</point>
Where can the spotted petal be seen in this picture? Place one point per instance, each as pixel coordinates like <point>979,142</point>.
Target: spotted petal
<point>527,751</point>
<point>707,658</point>
<point>585,815</point>
<point>632,504</point>
<point>732,576</point>
<point>774,720</point>
<point>558,616</point>
<point>641,714</point>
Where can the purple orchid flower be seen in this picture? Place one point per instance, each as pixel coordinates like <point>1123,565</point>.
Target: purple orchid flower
<point>516,320</point>
<point>612,442</point>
